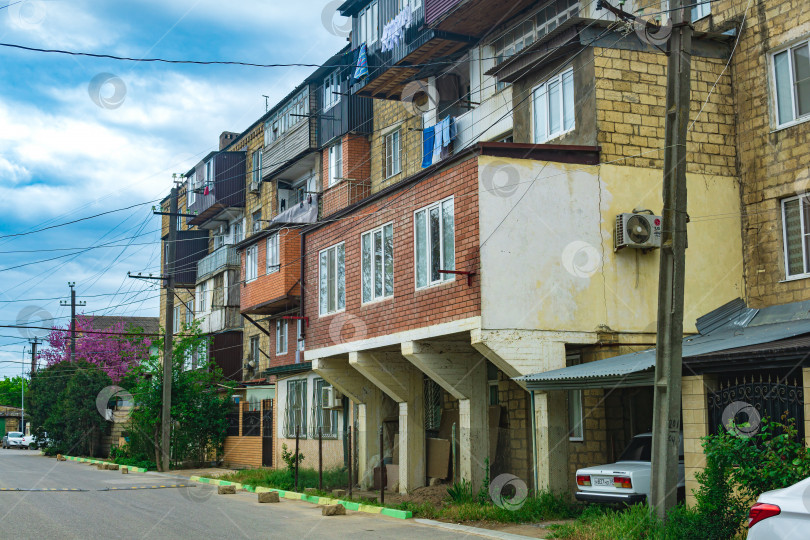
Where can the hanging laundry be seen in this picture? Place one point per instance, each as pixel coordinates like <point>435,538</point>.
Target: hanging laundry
<point>394,31</point>
<point>437,143</point>
<point>448,130</point>
<point>427,146</point>
<point>205,191</point>
<point>362,62</point>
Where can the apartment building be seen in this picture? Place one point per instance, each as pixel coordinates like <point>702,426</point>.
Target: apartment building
<point>502,159</point>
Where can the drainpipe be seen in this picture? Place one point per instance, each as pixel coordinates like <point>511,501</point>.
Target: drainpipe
<point>534,442</point>
<point>301,279</point>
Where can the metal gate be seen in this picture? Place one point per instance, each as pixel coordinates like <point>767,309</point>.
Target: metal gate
<point>747,402</point>
<point>267,433</point>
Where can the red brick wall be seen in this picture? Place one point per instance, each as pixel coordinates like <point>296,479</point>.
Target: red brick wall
<point>356,165</point>
<point>408,308</point>
<point>292,343</point>
<point>269,286</point>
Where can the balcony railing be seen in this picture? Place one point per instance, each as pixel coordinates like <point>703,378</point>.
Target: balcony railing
<point>218,260</point>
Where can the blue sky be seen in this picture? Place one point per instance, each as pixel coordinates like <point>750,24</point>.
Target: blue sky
<point>64,157</point>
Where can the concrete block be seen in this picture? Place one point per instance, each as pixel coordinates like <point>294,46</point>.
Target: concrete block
<point>124,470</point>
<point>226,490</point>
<point>267,497</point>
<point>100,466</point>
<point>111,466</point>
<point>338,493</point>
<point>334,510</point>
<point>310,491</point>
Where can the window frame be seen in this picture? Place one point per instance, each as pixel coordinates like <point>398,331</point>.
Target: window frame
<point>701,10</point>
<point>804,200</point>
<point>190,312</point>
<point>251,263</point>
<point>282,337</point>
<point>318,385</point>
<point>326,312</point>
<point>383,296</point>
<point>389,153</point>
<point>559,79</point>
<point>335,163</point>
<point>805,41</point>
<point>576,433</point>
<point>368,24</point>
<point>176,320</point>
<point>191,195</point>
<point>276,255</point>
<point>255,354</point>
<point>257,171</point>
<point>444,278</point>
<point>289,427</point>
<point>331,90</point>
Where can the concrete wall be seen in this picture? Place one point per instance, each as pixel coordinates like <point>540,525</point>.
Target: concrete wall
<point>564,275</point>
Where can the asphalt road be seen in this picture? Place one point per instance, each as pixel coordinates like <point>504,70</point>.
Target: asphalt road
<point>100,511</point>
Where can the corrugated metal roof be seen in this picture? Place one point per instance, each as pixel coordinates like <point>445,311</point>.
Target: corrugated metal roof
<point>732,326</point>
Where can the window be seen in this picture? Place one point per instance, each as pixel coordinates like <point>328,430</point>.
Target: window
<point>367,24</point>
<point>251,263</point>
<point>492,383</point>
<point>191,194</point>
<point>435,243</point>
<point>286,117</point>
<point>554,107</point>
<point>296,408</point>
<point>796,234</point>
<point>179,222</point>
<point>331,90</point>
<point>281,337</point>
<point>176,320</point>
<point>254,351</point>
<point>257,166</point>
<point>377,253</point>
<point>256,219</point>
<point>575,431</point>
<point>238,232</point>
<point>392,161</point>
<point>203,300</point>
<point>273,262</point>
<point>332,282</point>
<point>325,419</point>
<point>703,9</point>
<point>209,172</point>
<point>791,71</point>
<point>300,335</point>
<point>335,163</point>
<point>190,312</point>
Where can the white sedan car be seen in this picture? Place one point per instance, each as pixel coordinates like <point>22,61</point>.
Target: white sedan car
<point>628,480</point>
<point>781,513</point>
<point>14,439</point>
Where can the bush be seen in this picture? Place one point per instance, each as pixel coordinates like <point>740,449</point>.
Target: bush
<point>290,458</point>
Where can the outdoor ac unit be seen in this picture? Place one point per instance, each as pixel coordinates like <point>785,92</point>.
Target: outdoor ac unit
<point>641,231</point>
<point>329,398</point>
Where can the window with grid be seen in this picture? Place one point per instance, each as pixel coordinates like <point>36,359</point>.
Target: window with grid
<point>791,74</point>
<point>254,351</point>
<point>251,263</point>
<point>190,312</point>
<point>553,107</point>
<point>273,261</point>
<point>331,90</point>
<point>257,166</point>
<point>377,254</point>
<point>176,320</point>
<point>281,337</point>
<point>191,195</point>
<point>332,280</point>
<point>367,24</point>
<point>393,164</point>
<point>203,300</point>
<point>335,163</point>
<point>325,419</point>
<point>434,233</point>
<point>296,414</point>
<point>796,235</point>
<point>256,220</point>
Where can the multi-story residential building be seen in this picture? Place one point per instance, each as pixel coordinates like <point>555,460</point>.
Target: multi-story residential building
<point>493,254</point>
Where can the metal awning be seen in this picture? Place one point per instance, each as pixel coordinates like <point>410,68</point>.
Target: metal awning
<point>730,327</point>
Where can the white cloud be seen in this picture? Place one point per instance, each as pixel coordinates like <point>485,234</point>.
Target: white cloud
<point>57,24</point>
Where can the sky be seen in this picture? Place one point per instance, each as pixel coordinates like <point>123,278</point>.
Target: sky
<point>81,136</point>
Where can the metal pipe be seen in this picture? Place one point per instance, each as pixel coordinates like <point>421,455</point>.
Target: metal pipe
<point>534,441</point>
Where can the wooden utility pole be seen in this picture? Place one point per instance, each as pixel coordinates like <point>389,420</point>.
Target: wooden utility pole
<point>34,342</point>
<point>166,416</point>
<point>667,400</point>
<point>73,304</point>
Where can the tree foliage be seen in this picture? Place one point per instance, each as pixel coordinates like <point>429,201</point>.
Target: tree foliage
<point>11,391</point>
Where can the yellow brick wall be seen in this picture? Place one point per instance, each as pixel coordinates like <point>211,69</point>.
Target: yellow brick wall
<point>695,426</point>
<point>774,163</point>
<point>630,111</point>
<point>389,114</point>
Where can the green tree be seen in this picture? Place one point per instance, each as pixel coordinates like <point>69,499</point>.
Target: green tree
<point>200,401</point>
<point>11,391</point>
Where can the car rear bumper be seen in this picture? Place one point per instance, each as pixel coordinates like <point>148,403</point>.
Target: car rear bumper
<point>614,498</point>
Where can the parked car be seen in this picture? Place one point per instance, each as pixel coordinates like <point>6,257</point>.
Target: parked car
<point>781,513</point>
<point>14,439</point>
<point>628,480</point>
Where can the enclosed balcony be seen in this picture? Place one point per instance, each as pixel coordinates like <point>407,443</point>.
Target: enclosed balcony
<point>273,284</point>
<point>218,183</point>
<point>191,247</point>
<point>217,261</point>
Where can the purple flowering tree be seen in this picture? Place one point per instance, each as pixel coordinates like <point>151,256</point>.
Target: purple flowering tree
<point>117,349</point>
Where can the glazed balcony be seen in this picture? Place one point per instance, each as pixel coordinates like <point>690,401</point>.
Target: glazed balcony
<point>277,287</point>
<point>218,186</point>
<point>222,259</point>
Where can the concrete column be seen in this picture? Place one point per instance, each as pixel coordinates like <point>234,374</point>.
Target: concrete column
<point>551,425</point>
<point>695,426</point>
<point>359,389</point>
<point>403,382</point>
<point>462,372</point>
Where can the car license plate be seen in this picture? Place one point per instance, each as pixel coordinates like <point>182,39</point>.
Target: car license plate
<point>603,481</point>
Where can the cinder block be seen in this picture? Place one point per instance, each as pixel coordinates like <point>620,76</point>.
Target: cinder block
<point>226,490</point>
<point>334,510</point>
<point>267,497</point>
<point>338,493</point>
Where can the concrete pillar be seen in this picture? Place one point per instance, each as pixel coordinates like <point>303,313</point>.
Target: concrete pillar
<point>694,389</point>
<point>359,389</point>
<point>462,372</point>
<point>551,425</point>
<point>403,382</point>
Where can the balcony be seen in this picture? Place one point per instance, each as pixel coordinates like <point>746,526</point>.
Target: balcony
<point>220,320</point>
<point>217,261</point>
<point>277,288</point>
<point>344,194</point>
<point>191,247</point>
<point>472,17</point>
<point>224,183</point>
<point>476,124</point>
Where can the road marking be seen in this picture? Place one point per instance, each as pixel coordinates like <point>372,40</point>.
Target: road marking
<point>99,489</point>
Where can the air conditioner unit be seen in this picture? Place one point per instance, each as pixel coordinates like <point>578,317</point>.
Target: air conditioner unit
<point>330,399</point>
<point>640,231</point>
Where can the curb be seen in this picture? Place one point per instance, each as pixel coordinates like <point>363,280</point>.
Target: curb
<point>314,499</point>
<point>88,460</point>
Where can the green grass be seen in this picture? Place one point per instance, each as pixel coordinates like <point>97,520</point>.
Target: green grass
<point>284,479</point>
<point>543,507</point>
